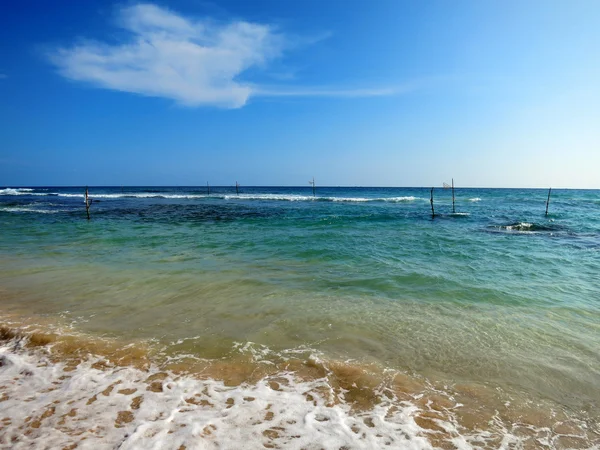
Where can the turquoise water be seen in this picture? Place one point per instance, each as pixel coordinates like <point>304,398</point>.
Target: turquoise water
<point>497,293</point>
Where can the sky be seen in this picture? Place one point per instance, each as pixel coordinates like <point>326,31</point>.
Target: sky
<point>352,93</point>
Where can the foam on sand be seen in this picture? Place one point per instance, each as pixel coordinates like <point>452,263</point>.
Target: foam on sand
<point>48,404</point>
<point>49,400</point>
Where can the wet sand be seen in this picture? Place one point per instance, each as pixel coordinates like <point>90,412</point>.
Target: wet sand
<point>68,390</point>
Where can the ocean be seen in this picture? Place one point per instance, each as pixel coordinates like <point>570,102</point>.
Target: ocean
<point>274,318</point>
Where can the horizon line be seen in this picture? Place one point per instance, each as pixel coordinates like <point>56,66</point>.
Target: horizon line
<point>287,186</point>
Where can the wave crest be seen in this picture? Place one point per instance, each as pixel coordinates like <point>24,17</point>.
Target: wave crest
<point>16,209</point>
<point>15,191</point>
<point>528,227</point>
<point>263,197</point>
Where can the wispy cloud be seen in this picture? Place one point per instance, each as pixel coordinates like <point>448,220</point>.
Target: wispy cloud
<point>194,62</point>
<point>328,92</point>
<point>3,75</point>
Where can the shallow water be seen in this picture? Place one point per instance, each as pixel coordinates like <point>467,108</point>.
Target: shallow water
<point>496,295</point>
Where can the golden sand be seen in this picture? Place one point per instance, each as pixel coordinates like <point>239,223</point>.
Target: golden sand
<point>442,412</point>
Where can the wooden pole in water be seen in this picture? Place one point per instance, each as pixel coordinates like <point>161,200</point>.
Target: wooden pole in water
<point>453,209</point>
<point>88,202</point>
<point>237,188</point>
<point>431,201</point>
<point>548,201</point>
<point>313,186</point>
<point>207,189</point>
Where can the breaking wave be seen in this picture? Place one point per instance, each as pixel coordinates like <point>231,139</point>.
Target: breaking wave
<point>16,209</point>
<point>263,197</point>
<point>527,227</point>
<point>286,197</point>
<point>15,191</point>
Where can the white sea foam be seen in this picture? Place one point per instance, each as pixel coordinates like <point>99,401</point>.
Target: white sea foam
<point>280,197</point>
<point>521,226</point>
<point>110,196</point>
<point>16,209</point>
<point>16,191</point>
<point>475,199</point>
<point>96,409</point>
<point>294,197</point>
<point>47,404</point>
<point>402,199</point>
<point>147,195</point>
<point>63,195</point>
<point>264,197</point>
<point>369,199</point>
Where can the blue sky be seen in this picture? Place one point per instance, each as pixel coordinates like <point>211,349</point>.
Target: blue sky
<point>380,93</point>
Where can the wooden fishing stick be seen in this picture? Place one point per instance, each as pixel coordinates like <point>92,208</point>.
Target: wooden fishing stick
<point>88,203</point>
<point>313,186</point>
<point>453,209</point>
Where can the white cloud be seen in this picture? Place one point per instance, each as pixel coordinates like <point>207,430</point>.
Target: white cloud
<point>194,62</point>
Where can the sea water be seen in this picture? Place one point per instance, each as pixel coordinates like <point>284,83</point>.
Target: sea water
<point>351,318</point>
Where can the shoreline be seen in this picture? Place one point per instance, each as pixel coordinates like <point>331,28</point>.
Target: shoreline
<point>54,387</point>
